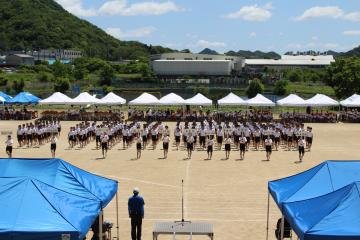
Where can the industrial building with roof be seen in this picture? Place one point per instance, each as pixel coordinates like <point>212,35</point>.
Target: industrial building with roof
<point>181,64</point>
<point>19,59</point>
<point>290,62</point>
<point>188,64</point>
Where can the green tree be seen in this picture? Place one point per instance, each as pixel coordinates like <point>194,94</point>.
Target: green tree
<point>294,75</point>
<point>45,77</point>
<point>106,75</point>
<point>344,76</point>
<point>62,85</point>
<point>254,88</point>
<point>18,85</point>
<point>281,87</point>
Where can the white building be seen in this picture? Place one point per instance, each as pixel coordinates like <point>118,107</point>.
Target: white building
<point>290,61</point>
<point>56,54</point>
<point>181,64</point>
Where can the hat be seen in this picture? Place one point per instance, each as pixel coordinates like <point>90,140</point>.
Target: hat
<point>136,190</point>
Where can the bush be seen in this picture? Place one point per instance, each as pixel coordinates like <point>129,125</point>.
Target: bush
<point>18,85</point>
<point>294,75</point>
<point>281,87</point>
<point>62,85</point>
<point>45,77</point>
<point>3,81</point>
<point>254,88</point>
<point>106,75</point>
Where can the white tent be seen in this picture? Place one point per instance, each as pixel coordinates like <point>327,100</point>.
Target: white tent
<point>56,98</point>
<point>292,100</point>
<point>2,99</point>
<point>199,100</point>
<point>85,99</point>
<point>321,100</point>
<point>171,99</point>
<point>113,99</point>
<point>260,101</point>
<point>145,99</point>
<point>231,100</point>
<point>353,101</point>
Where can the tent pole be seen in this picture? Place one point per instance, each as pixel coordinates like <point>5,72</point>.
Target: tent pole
<point>267,220</point>
<point>117,216</point>
<point>282,226</point>
<point>101,225</point>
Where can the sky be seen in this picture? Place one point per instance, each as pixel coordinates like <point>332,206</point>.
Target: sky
<point>223,25</point>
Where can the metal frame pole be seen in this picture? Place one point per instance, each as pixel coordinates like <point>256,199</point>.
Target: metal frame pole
<point>267,216</point>
<point>282,226</point>
<point>101,224</point>
<point>117,216</point>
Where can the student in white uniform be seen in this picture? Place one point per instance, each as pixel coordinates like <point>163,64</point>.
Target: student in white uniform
<point>210,147</point>
<point>301,146</point>
<point>190,145</point>
<point>277,135</point>
<point>166,141</point>
<point>177,135</point>
<point>104,144</point>
<point>243,143</point>
<point>53,145</point>
<point>138,146</point>
<point>268,147</point>
<point>228,143</point>
<point>9,146</point>
<point>309,138</point>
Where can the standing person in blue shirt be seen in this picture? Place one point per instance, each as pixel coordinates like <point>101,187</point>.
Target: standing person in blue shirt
<point>136,213</point>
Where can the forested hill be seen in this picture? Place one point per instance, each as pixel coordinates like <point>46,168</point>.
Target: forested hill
<point>41,24</point>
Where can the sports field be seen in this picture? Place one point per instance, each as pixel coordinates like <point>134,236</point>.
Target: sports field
<point>231,194</point>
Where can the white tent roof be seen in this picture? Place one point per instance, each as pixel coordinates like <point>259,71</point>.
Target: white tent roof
<point>353,101</point>
<point>292,100</point>
<point>56,98</point>
<point>145,99</point>
<point>260,101</point>
<point>321,100</point>
<point>2,99</point>
<point>231,100</point>
<point>199,100</point>
<point>171,99</point>
<point>113,99</point>
<point>84,99</point>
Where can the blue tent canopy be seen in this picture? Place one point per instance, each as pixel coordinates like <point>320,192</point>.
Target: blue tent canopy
<point>24,98</point>
<point>63,176</point>
<point>327,177</point>
<point>31,209</point>
<point>334,216</point>
<point>5,96</point>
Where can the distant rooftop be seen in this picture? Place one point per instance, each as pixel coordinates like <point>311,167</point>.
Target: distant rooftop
<point>298,60</point>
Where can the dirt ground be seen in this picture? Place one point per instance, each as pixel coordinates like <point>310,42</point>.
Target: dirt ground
<point>231,194</point>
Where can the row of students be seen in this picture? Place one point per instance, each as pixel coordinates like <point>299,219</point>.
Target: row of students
<point>36,134</point>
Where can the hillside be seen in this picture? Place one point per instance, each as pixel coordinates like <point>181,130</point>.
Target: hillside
<point>209,51</point>
<point>39,24</point>
<point>256,54</point>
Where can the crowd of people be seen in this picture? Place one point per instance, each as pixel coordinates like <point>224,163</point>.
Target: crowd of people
<point>350,116</point>
<point>82,115</point>
<point>10,113</point>
<point>313,117</point>
<point>199,116</point>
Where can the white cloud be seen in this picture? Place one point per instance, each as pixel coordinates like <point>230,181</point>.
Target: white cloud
<point>252,13</point>
<point>121,7</point>
<point>313,46</point>
<point>252,34</point>
<point>314,38</point>
<point>208,44</point>
<point>334,12</point>
<point>132,34</point>
<point>76,7</point>
<point>352,33</point>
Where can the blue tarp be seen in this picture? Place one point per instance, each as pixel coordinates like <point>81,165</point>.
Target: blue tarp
<point>5,96</point>
<point>24,98</point>
<point>327,177</point>
<point>63,176</point>
<point>334,216</point>
<point>31,209</point>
